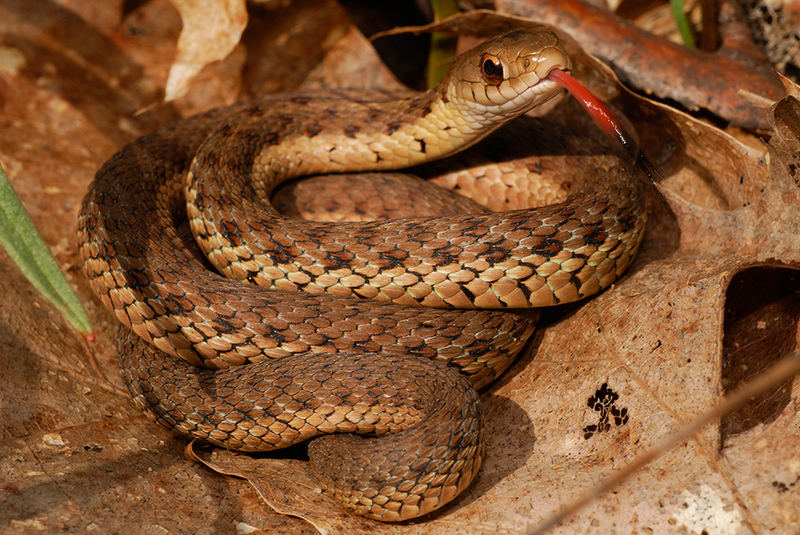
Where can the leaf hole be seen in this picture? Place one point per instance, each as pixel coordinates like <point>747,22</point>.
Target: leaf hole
<point>762,319</point>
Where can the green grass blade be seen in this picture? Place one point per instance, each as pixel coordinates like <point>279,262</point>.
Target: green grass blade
<point>443,46</point>
<point>682,22</point>
<point>27,249</point>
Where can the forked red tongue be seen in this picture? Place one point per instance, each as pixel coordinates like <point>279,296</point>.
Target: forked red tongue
<point>606,120</point>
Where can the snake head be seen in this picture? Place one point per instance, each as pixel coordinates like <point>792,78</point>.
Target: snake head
<point>507,75</point>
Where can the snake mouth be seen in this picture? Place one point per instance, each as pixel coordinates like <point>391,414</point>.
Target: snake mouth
<point>548,60</point>
<point>541,87</point>
<point>553,80</point>
<point>548,91</point>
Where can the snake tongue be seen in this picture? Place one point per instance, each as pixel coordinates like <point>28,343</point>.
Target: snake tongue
<point>603,117</point>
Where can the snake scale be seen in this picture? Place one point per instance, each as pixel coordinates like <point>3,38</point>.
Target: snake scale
<point>386,385</point>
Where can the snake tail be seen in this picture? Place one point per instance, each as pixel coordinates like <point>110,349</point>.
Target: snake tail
<point>427,406</point>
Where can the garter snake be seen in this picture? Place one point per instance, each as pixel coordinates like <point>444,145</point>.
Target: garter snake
<point>298,353</point>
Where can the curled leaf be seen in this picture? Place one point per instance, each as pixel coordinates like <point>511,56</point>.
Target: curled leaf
<point>211,29</point>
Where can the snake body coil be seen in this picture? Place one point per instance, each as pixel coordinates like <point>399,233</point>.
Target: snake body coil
<point>324,361</point>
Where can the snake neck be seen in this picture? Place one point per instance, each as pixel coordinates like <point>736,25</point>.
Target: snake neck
<point>336,133</point>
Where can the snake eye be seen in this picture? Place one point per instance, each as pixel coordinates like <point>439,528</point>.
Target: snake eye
<point>491,69</point>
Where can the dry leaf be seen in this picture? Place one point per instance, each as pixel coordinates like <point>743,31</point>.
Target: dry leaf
<point>211,29</point>
<point>697,80</point>
<point>775,24</point>
<point>288,487</point>
<point>351,63</point>
<point>712,296</point>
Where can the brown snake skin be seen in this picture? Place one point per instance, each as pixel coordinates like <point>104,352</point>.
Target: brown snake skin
<point>325,361</point>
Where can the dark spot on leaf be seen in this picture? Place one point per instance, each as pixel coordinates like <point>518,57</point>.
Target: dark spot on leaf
<point>603,402</point>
